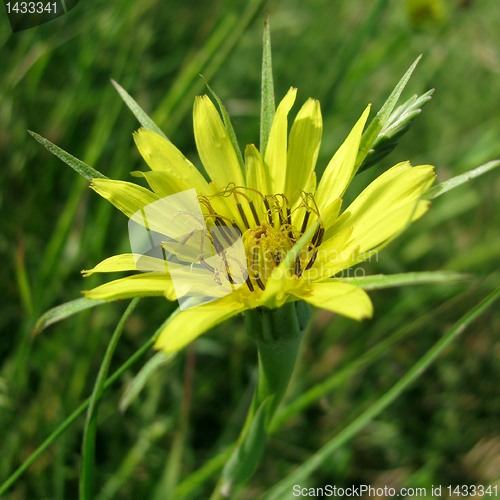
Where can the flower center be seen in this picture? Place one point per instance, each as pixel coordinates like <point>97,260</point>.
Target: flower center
<point>267,238</point>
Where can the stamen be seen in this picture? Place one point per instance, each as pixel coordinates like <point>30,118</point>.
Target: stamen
<point>261,285</point>
<point>254,212</point>
<point>304,223</point>
<point>243,216</point>
<point>311,262</point>
<point>268,211</point>
<point>249,284</point>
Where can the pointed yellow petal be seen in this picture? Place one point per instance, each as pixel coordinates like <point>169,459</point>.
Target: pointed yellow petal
<point>387,205</point>
<point>190,324</point>
<point>214,145</point>
<point>276,152</point>
<point>162,156</point>
<point>341,298</point>
<point>126,196</point>
<point>303,148</point>
<point>138,285</point>
<point>257,175</point>
<point>127,262</point>
<point>162,183</point>
<point>340,170</point>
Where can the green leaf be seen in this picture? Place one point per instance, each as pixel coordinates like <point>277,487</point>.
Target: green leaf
<point>64,311</point>
<point>78,165</point>
<point>90,429</point>
<point>139,113</point>
<point>310,465</point>
<point>405,279</point>
<point>245,458</point>
<point>229,127</point>
<point>267,97</point>
<point>139,381</point>
<point>380,120</point>
<point>454,182</point>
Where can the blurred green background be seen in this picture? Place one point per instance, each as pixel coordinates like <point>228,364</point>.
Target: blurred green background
<point>55,81</point>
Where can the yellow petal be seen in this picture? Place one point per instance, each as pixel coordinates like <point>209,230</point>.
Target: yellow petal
<point>303,148</point>
<point>127,262</point>
<point>257,175</point>
<point>162,183</point>
<point>341,298</point>
<point>214,145</point>
<point>126,196</point>
<point>340,170</point>
<point>276,152</point>
<point>387,205</point>
<point>162,156</point>
<point>190,324</point>
<point>138,285</point>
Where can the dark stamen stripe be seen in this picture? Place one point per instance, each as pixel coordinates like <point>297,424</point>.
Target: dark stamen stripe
<point>249,284</point>
<point>311,262</point>
<point>298,271</point>
<point>304,224</point>
<point>320,237</point>
<point>259,282</point>
<point>254,212</point>
<point>223,230</point>
<point>243,216</point>
<point>288,216</point>
<point>268,209</point>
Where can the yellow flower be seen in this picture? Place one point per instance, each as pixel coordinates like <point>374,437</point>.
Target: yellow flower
<point>294,239</point>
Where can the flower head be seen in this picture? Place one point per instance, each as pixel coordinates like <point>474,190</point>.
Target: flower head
<point>294,237</point>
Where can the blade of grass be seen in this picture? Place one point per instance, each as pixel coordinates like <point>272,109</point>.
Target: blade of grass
<point>220,55</point>
<point>81,409</point>
<point>89,433</point>
<point>458,180</point>
<point>267,90</point>
<point>310,465</point>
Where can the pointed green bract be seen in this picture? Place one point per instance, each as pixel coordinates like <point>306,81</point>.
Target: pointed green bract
<point>77,165</point>
<point>397,125</point>
<point>378,281</point>
<point>267,90</point>
<point>382,116</point>
<point>139,113</point>
<point>454,182</point>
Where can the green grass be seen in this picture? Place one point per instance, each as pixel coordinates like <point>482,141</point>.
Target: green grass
<point>55,81</point>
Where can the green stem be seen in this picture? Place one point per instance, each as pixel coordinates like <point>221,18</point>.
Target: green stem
<point>277,333</point>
